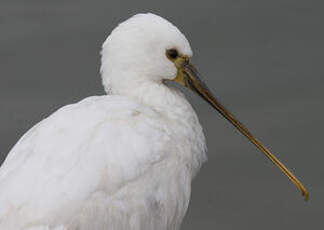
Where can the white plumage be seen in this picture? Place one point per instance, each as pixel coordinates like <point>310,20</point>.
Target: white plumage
<point>123,161</point>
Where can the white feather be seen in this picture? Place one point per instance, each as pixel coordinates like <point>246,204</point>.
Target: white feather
<point>115,162</point>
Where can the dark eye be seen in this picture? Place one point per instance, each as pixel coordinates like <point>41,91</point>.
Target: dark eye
<point>172,53</point>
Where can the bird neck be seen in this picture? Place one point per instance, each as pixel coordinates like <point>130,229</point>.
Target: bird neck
<point>158,96</point>
<point>142,88</point>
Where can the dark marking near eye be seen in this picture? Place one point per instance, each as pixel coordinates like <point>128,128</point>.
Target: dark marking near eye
<point>172,53</point>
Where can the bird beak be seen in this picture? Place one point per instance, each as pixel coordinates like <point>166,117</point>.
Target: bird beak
<point>188,76</point>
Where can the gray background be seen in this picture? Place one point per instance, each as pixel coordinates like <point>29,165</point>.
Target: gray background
<point>264,59</point>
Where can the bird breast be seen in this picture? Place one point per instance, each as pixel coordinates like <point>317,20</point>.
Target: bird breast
<point>105,161</point>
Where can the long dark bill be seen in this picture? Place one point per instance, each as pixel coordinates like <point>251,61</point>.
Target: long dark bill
<point>192,81</point>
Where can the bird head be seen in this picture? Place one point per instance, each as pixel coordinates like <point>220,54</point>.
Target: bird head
<point>136,51</point>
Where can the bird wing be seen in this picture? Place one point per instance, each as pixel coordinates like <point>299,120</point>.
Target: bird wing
<point>100,143</point>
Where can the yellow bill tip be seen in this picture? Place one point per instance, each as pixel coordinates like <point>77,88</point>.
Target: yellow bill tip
<point>305,194</point>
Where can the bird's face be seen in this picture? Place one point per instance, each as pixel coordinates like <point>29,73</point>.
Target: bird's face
<point>149,48</point>
<point>135,52</point>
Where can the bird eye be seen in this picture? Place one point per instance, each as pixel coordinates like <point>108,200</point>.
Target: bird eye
<point>172,54</point>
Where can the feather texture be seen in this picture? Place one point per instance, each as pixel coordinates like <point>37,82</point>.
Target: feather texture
<point>103,161</point>
<point>114,162</point>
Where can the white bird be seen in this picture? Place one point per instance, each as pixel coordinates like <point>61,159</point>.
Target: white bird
<point>123,161</point>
